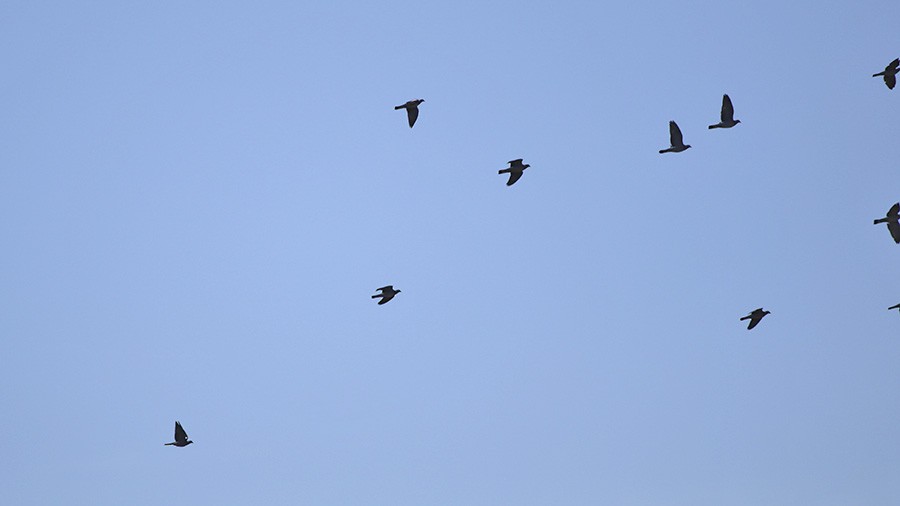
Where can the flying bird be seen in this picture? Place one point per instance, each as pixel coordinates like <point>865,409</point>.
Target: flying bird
<point>181,437</point>
<point>895,306</point>
<point>387,293</point>
<point>893,221</point>
<point>890,74</point>
<point>412,110</point>
<point>727,115</point>
<point>755,316</point>
<point>675,140</point>
<point>515,170</point>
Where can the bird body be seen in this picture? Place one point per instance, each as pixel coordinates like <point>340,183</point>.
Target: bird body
<point>515,170</point>
<point>892,218</point>
<point>412,110</point>
<point>181,437</point>
<point>755,316</point>
<point>726,115</point>
<point>387,293</point>
<point>675,139</point>
<point>890,74</point>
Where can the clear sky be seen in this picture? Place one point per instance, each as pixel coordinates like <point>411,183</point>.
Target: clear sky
<point>197,200</point>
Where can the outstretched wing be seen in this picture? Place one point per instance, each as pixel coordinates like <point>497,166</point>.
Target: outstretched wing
<point>180,435</point>
<point>515,163</point>
<point>513,177</point>
<point>894,210</point>
<point>675,134</point>
<point>893,65</point>
<point>890,80</point>
<point>894,227</point>
<point>412,114</point>
<point>389,288</point>
<point>727,110</point>
<point>754,320</point>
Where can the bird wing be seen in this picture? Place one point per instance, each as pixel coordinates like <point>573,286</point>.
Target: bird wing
<point>675,138</point>
<point>890,80</point>
<point>894,227</point>
<point>412,113</point>
<point>514,176</point>
<point>893,65</point>
<point>515,163</point>
<point>754,320</point>
<point>389,288</point>
<point>180,435</point>
<point>894,210</point>
<point>727,110</point>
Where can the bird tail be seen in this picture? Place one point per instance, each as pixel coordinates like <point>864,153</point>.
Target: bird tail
<point>882,220</point>
<point>714,126</point>
<point>169,444</point>
<point>376,296</point>
<point>399,107</point>
<point>504,171</point>
<point>878,74</point>
<point>661,151</point>
<point>745,318</point>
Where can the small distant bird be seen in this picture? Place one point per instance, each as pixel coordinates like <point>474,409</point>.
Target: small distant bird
<point>890,74</point>
<point>727,115</point>
<point>893,221</point>
<point>387,293</point>
<point>895,306</point>
<point>755,316</point>
<point>181,437</point>
<point>675,140</point>
<point>412,110</point>
<point>515,170</point>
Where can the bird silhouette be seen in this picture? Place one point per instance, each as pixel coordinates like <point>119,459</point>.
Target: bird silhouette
<point>181,437</point>
<point>675,139</point>
<point>893,221</point>
<point>727,115</point>
<point>890,74</point>
<point>755,316</point>
<point>412,110</point>
<point>515,170</point>
<point>387,293</point>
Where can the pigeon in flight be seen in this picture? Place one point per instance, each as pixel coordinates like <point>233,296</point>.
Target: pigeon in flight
<point>727,115</point>
<point>755,316</point>
<point>675,140</point>
<point>895,306</point>
<point>412,110</point>
<point>890,74</point>
<point>387,293</point>
<point>893,221</point>
<point>181,437</point>
<point>515,170</point>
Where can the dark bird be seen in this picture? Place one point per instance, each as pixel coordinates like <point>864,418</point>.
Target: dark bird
<point>890,74</point>
<point>387,293</point>
<point>727,115</point>
<point>755,316</point>
<point>515,170</point>
<point>675,140</point>
<point>412,110</point>
<point>895,306</point>
<point>181,437</point>
<point>893,221</point>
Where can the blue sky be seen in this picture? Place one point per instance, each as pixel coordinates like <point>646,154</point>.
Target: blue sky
<point>198,199</point>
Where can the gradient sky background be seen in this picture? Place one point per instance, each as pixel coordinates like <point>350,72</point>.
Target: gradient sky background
<point>197,201</point>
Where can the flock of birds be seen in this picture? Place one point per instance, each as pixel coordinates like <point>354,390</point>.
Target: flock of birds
<point>676,140</point>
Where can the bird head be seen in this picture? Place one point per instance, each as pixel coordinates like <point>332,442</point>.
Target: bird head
<point>188,442</point>
<point>525,166</point>
<point>687,146</point>
<point>396,291</point>
<point>737,121</point>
